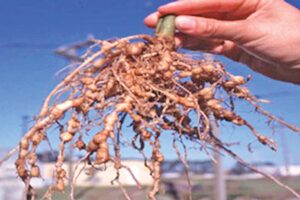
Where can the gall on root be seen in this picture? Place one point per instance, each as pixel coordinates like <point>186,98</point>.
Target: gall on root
<point>144,79</point>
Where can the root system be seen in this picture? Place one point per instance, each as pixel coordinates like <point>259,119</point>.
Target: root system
<point>144,80</point>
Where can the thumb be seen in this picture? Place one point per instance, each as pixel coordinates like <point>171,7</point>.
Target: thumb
<point>204,27</point>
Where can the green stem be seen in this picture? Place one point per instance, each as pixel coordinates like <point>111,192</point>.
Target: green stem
<point>166,26</point>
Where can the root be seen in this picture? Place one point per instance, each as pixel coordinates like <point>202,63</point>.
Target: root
<point>126,195</point>
<point>143,81</point>
<point>9,154</point>
<point>254,169</point>
<point>75,177</point>
<point>185,164</point>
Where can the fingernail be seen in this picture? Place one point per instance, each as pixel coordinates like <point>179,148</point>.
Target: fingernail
<point>218,49</point>
<point>178,42</point>
<point>151,17</point>
<point>166,6</point>
<point>185,24</point>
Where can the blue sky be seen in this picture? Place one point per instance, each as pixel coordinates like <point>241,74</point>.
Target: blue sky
<point>30,31</point>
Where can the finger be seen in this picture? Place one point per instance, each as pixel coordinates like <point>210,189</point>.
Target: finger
<point>234,52</point>
<point>216,46</point>
<point>214,15</point>
<point>193,43</point>
<point>230,50</point>
<point>196,7</point>
<point>203,27</point>
<point>152,19</point>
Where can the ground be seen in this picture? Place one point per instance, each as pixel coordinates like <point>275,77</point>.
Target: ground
<point>176,189</point>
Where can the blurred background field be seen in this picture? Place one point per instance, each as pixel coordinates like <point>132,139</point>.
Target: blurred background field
<point>241,184</point>
<point>176,189</point>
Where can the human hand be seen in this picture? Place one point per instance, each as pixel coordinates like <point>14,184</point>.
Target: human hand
<point>263,34</point>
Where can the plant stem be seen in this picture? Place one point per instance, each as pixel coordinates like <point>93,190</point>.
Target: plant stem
<point>166,26</point>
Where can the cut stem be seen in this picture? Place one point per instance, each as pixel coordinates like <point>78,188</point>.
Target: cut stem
<point>166,26</point>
